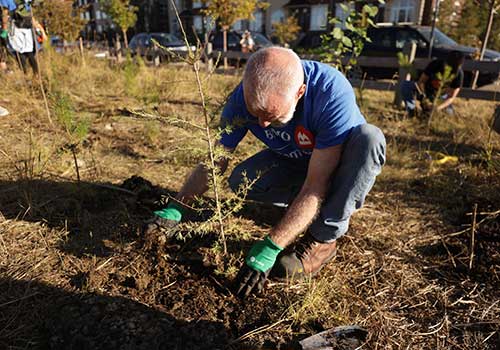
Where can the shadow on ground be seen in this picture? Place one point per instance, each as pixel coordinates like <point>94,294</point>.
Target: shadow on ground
<point>96,212</point>
<point>58,319</point>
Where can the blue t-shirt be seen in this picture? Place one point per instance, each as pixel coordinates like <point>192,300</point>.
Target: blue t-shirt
<point>324,116</point>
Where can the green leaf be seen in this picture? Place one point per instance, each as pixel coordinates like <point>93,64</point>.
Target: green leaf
<point>347,41</point>
<point>337,33</point>
<point>370,10</point>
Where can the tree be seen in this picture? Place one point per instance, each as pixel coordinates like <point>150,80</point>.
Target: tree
<point>491,21</point>
<point>470,24</point>
<point>347,39</point>
<point>449,17</point>
<point>228,12</point>
<point>60,18</point>
<point>286,31</point>
<point>467,23</point>
<point>487,32</point>
<point>123,14</point>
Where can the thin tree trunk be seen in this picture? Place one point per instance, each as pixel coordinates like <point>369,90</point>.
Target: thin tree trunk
<point>39,69</point>
<point>118,49</point>
<point>224,47</point>
<point>125,39</point>
<point>211,153</point>
<point>485,40</point>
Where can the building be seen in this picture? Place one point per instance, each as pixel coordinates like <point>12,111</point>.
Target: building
<point>98,23</point>
<point>153,16</point>
<point>312,14</point>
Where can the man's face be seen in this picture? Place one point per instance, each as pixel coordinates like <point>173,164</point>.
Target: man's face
<point>279,110</point>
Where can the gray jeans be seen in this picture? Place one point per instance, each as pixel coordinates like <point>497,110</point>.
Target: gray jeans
<point>280,179</point>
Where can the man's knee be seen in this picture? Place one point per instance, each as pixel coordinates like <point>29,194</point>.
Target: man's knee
<point>371,139</point>
<point>236,178</point>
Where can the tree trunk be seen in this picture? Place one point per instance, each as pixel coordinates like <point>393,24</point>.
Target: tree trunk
<point>118,49</point>
<point>224,44</point>
<point>125,39</point>
<point>485,40</point>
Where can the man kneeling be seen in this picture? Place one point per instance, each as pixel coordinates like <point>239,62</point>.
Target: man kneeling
<point>321,162</point>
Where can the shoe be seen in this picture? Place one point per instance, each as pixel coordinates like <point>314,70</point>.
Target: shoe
<point>306,258</point>
<point>3,112</point>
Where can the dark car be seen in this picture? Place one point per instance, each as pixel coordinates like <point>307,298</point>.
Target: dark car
<point>142,44</point>
<point>387,41</point>
<point>233,40</point>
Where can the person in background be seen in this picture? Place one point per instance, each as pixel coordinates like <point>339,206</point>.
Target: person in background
<point>5,7</point>
<point>247,43</point>
<point>429,83</point>
<point>21,38</point>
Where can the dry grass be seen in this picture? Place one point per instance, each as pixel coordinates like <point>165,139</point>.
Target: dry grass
<point>404,271</point>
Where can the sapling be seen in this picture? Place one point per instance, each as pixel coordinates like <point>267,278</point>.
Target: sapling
<point>214,153</point>
<point>444,78</point>
<point>76,129</point>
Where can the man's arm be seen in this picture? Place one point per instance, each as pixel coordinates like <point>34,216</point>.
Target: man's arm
<point>197,182</point>
<point>307,203</point>
<point>452,95</point>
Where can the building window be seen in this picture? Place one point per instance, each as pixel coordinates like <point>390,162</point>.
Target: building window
<point>196,4</point>
<point>238,26</point>
<point>402,11</point>
<point>319,17</point>
<point>278,16</point>
<point>303,15</point>
<point>341,15</point>
<point>257,24</point>
<point>198,23</point>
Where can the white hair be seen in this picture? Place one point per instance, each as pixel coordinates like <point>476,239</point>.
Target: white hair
<point>266,74</point>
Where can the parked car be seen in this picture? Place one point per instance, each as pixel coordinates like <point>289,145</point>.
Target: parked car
<point>142,45</point>
<point>387,41</point>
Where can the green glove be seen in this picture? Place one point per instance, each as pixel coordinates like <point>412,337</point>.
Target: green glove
<point>262,255</point>
<point>172,212</point>
<point>4,34</point>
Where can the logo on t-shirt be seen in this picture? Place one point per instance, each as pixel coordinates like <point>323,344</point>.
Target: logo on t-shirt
<point>304,138</point>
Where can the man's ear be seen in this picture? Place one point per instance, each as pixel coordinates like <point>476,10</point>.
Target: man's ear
<point>301,92</point>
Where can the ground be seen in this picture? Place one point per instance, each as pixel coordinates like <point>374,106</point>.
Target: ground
<point>419,268</point>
